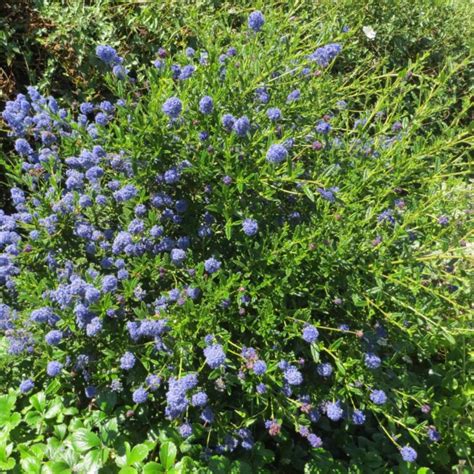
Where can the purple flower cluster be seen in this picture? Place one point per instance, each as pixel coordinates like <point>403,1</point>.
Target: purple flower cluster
<point>310,334</point>
<point>109,56</point>
<point>256,20</point>
<point>325,54</point>
<point>215,356</point>
<point>250,227</point>
<point>176,398</point>
<point>172,107</point>
<point>276,154</point>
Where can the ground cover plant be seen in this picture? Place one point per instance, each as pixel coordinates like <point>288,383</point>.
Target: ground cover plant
<point>252,255</point>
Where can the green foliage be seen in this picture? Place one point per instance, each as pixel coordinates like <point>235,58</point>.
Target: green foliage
<point>340,264</point>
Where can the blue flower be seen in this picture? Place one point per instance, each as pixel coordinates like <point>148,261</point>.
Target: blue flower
<point>199,399</point>
<point>23,147</point>
<point>386,216</point>
<point>176,399</point>
<point>334,411</point>
<point>90,391</point>
<point>86,108</point>
<point>193,293</point>
<point>140,395</point>
<point>276,154</point>
<point>101,119</point>
<point>127,361</point>
<point>116,385</point>
<point>172,107</point>
<point>358,417</point>
<point>228,121</point>
<point>158,63</point>
<point>433,434</point>
<point>325,54</point>
<point>215,356</point>
<point>153,382</point>
<point>256,20</point>
<point>109,283</point>
<point>107,54</point>
<point>328,194</point>
<point>325,370</point>
<point>274,114</point>
<point>120,72</point>
<point>44,315</point>
<point>246,437</point>
<point>54,337</point>
<point>310,334</point>
<point>323,127</point>
<point>54,368</point>
<point>26,386</point>
<point>314,441</point>
<point>259,367</point>
<point>212,265</point>
<point>292,375</point>
<point>185,430</point>
<point>178,256</point>
<point>408,454</point>
<point>262,95</point>
<point>294,95</point>
<point>206,105</point>
<point>186,72</point>
<point>94,327</point>
<point>250,227</point>
<point>126,193</point>
<point>207,415</point>
<point>261,388</point>
<point>378,397</point>
<point>241,126</point>
<point>372,361</point>
<point>443,220</point>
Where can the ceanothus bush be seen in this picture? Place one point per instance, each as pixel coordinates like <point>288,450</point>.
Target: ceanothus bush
<point>130,264</point>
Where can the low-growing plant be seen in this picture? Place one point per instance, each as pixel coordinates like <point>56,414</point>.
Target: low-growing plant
<point>252,252</point>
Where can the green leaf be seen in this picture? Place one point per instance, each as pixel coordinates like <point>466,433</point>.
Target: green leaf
<point>228,230</point>
<point>15,420</point>
<point>7,403</point>
<point>340,367</point>
<point>31,465</point>
<point>107,401</point>
<point>308,192</point>
<point>83,440</point>
<point>54,410</point>
<point>219,465</point>
<point>32,418</point>
<point>152,468</point>
<point>93,460</point>
<point>56,468</point>
<point>168,454</point>
<point>109,431</point>
<point>315,352</point>
<point>138,453</point>
<point>8,464</point>
<point>128,470</point>
<point>185,465</point>
<point>38,400</point>
<point>240,467</point>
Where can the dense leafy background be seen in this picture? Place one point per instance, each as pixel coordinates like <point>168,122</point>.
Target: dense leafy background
<point>409,294</point>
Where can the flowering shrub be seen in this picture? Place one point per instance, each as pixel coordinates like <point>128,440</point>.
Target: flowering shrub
<point>234,248</point>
